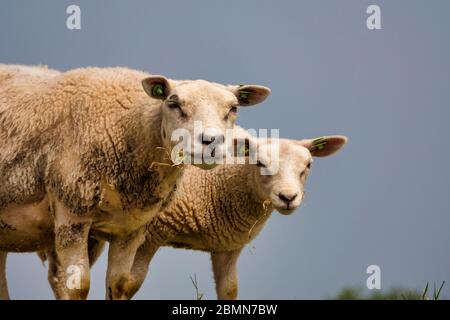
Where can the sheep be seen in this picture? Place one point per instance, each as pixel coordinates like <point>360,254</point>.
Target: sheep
<point>220,211</point>
<point>85,154</point>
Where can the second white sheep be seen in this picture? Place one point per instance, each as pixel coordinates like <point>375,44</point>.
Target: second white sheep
<point>220,211</point>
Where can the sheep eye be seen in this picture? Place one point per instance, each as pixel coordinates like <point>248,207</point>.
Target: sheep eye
<point>260,164</point>
<point>173,104</point>
<point>233,110</point>
<point>308,165</point>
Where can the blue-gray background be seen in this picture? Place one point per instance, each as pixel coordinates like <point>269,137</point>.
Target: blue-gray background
<point>384,200</point>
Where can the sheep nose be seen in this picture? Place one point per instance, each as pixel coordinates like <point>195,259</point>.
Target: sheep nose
<point>207,139</point>
<point>287,198</point>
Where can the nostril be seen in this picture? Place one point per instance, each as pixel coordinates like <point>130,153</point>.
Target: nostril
<point>207,140</point>
<point>287,198</point>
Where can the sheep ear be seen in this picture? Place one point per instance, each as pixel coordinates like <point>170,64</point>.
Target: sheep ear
<point>242,142</point>
<point>241,147</point>
<point>156,87</point>
<point>324,146</point>
<point>249,95</point>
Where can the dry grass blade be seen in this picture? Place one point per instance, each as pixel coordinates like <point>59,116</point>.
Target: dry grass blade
<point>199,295</point>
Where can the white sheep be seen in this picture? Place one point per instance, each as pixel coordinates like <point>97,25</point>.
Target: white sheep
<point>222,210</point>
<point>85,153</point>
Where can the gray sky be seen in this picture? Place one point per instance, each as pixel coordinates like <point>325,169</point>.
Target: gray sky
<point>383,200</point>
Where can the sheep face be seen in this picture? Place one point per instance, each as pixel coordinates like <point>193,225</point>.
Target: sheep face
<point>196,114</point>
<point>284,166</point>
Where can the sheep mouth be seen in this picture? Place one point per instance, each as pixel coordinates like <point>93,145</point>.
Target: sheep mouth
<point>286,209</point>
<point>198,161</point>
<point>205,166</point>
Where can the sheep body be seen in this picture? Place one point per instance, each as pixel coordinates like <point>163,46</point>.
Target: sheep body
<point>37,111</point>
<point>75,155</point>
<point>213,211</point>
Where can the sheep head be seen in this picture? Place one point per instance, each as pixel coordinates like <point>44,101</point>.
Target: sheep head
<point>283,165</point>
<point>196,114</point>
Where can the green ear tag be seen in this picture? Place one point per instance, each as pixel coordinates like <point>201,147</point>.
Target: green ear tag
<point>243,95</point>
<point>244,150</point>
<point>158,90</point>
<point>320,143</point>
<point>321,146</point>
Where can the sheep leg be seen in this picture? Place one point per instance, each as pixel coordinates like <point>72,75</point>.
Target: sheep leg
<point>95,250</point>
<point>71,247</point>
<point>120,282</point>
<point>225,273</point>
<point>142,260</point>
<point>55,275</point>
<point>3,284</point>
